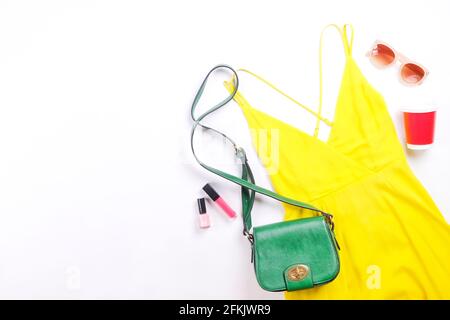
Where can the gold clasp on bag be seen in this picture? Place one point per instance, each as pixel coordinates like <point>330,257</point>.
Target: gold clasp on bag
<point>298,272</point>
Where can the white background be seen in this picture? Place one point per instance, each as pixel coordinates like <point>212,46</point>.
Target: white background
<point>97,185</point>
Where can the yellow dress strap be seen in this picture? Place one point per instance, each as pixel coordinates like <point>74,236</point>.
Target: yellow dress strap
<point>348,50</point>
<point>271,85</point>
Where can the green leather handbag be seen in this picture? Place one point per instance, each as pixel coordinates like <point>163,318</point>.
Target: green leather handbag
<point>289,255</point>
<point>294,255</point>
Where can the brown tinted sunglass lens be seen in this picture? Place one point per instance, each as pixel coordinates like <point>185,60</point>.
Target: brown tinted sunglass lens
<point>383,55</point>
<point>412,73</point>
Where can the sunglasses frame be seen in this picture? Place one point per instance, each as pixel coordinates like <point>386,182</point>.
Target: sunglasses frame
<point>398,56</point>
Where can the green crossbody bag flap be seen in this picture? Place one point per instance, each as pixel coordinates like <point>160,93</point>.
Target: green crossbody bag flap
<point>289,255</point>
<point>294,255</point>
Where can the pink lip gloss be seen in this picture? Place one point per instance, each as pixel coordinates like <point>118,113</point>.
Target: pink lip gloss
<point>219,201</point>
<point>204,216</point>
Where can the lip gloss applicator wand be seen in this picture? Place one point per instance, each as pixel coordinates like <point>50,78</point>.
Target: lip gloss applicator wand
<point>219,201</point>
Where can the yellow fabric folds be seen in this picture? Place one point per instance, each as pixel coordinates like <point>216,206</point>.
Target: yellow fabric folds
<point>395,244</point>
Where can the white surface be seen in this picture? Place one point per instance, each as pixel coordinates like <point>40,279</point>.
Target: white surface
<point>419,109</point>
<point>97,185</point>
<point>419,146</point>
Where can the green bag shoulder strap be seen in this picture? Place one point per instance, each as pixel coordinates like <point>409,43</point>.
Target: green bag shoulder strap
<point>247,181</point>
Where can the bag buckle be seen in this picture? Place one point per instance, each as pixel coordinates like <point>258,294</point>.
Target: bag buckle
<point>240,153</point>
<point>329,219</point>
<point>249,236</point>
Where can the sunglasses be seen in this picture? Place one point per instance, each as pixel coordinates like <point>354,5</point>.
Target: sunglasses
<point>411,73</point>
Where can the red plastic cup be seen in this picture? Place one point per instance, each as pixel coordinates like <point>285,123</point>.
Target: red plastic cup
<point>419,127</point>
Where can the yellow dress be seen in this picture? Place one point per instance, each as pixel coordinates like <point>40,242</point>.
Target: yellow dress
<point>395,244</point>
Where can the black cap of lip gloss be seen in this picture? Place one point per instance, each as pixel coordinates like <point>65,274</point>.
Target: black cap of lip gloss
<point>201,205</point>
<point>211,192</point>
